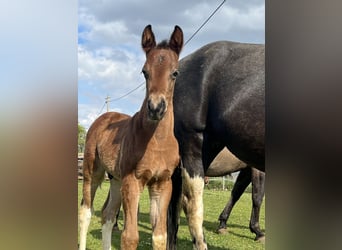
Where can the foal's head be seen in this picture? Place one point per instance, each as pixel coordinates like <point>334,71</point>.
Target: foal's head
<point>160,70</point>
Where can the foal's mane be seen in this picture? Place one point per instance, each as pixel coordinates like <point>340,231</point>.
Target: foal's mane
<point>163,45</point>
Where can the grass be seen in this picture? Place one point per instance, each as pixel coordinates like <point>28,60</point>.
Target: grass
<point>239,236</point>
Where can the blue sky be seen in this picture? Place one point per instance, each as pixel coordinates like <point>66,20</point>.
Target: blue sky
<point>109,54</point>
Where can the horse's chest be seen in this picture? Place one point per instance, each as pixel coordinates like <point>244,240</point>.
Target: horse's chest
<point>155,162</point>
<point>151,159</point>
<point>157,165</point>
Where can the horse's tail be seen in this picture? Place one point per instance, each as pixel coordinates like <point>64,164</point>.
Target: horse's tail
<point>174,209</point>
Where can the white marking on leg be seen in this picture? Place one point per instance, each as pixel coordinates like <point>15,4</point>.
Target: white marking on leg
<point>193,202</point>
<point>84,217</point>
<point>159,242</point>
<point>154,210</point>
<point>107,235</point>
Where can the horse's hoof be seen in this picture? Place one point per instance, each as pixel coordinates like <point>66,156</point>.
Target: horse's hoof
<point>116,229</point>
<point>222,231</point>
<point>260,239</point>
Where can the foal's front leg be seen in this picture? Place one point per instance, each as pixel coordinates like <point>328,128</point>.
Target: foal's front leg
<point>160,195</point>
<point>130,192</point>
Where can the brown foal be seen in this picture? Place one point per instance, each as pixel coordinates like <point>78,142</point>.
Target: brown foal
<point>137,151</point>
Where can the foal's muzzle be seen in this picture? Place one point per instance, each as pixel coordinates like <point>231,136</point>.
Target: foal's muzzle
<point>156,109</point>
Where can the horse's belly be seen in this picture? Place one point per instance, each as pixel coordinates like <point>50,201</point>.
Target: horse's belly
<point>224,163</point>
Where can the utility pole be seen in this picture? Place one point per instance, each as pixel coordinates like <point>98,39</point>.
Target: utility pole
<point>107,102</point>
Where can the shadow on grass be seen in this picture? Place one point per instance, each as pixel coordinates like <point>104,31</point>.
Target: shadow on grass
<point>213,226</point>
<point>145,239</point>
<point>145,242</point>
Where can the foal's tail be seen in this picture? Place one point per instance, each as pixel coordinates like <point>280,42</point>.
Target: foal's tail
<point>110,177</point>
<point>174,209</point>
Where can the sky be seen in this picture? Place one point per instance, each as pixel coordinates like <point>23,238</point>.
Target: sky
<point>110,57</point>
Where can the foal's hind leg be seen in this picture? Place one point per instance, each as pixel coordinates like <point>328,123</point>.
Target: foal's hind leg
<point>109,212</point>
<point>243,180</point>
<point>92,178</point>
<point>160,195</point>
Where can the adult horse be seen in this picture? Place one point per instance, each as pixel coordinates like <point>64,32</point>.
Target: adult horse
<point>136,151</point>
<point>219,102</point>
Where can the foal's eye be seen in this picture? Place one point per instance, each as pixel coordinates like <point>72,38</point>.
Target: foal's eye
<point>175,74</point>
<point>145,74</point>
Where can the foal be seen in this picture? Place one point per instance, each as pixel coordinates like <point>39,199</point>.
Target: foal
<point>137,151</point>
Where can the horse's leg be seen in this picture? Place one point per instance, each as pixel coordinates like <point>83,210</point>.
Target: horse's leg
<point>85,214</point>
<point>193,207</point>
<point>109,212</point>
<point>242,182</point>
<point>93,175</point>
<point>198,152</point>
<point>160,195</point>
<point>258,191</point>
<point>174,209</point>
<point>130,192</point>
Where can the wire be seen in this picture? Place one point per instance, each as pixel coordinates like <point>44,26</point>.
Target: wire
<point>128,92</point>
<point>205,22</point>
<point>101,109</point>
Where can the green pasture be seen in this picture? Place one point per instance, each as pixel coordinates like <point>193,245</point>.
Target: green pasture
<point>239,236</point>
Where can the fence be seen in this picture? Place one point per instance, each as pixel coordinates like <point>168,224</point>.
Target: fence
<point>224,183</point>
<point>220,183</point>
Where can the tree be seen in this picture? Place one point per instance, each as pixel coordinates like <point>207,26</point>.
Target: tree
<point>81,138</point>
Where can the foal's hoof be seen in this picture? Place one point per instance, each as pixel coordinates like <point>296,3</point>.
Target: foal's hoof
<point>222,231</point>
<point>260,239</point>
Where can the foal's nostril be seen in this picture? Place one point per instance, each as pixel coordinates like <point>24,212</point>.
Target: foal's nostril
<point>162,105</point>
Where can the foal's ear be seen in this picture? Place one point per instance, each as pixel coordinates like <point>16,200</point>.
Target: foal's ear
<point>148,41</point>
<point>176,40</point>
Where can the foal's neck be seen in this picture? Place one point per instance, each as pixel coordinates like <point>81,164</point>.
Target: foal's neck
<point>162,128</point>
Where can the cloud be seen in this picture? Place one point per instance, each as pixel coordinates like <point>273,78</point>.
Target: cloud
<point>87,114</point>
<point>123,21</point>
<point>108,71</point>
<point>231,22</point>
<point>94,33</point>
<point>253,18</point>
<point>109,68</point>
<point>109,54</point>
